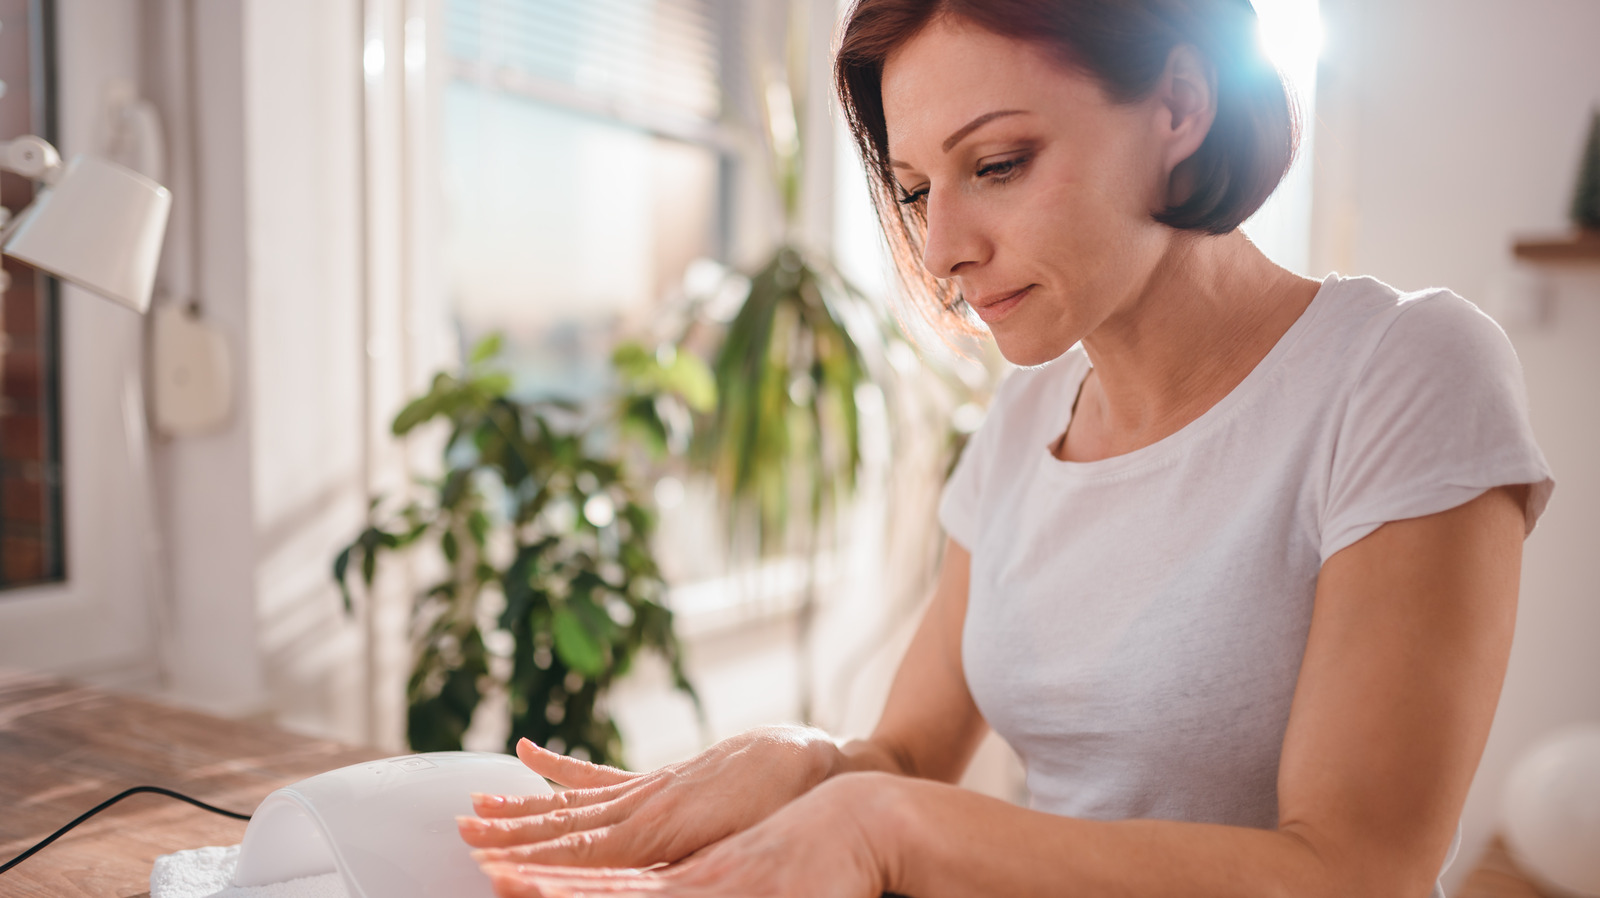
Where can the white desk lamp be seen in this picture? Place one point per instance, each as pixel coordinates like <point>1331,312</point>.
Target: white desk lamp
<point>100,226</point>
<point>95,223</point>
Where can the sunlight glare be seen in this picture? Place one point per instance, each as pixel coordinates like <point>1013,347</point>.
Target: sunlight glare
<point>372,58</point>
<point>1291,35</point>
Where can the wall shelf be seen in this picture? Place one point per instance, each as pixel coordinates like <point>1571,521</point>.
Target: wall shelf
<point>1580,246</point>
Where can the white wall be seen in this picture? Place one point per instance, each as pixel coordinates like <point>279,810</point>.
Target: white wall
<point>262,105</point>
<point>206,480</point>
<point>307,351</point>
<point>1554,677</point>
<point>1447,128</point>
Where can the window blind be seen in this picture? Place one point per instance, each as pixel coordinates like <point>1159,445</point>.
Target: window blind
<point>657,55</point>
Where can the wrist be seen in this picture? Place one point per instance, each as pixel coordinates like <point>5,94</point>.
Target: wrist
<point>816,753</point>
<point>827,760</point>
<point>878,806</point>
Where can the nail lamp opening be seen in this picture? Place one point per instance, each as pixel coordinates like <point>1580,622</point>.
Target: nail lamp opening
<point>386,827</point>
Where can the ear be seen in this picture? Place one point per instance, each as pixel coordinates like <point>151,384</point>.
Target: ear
<point>1187,104</point>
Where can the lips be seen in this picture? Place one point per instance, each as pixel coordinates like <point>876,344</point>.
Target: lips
<point>994,307</point>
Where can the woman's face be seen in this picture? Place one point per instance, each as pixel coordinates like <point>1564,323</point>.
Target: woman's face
<point>1038,188</point>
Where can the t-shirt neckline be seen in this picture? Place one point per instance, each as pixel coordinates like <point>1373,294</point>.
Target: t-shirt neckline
<point>1170,445</point>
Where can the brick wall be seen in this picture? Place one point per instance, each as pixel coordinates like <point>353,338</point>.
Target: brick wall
<point>30,456</point>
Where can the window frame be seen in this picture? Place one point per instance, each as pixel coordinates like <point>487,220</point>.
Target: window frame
<point>42,91</point>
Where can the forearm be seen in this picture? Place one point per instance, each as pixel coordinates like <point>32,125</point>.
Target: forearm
<point>934,840</point>
<point>816,756</point>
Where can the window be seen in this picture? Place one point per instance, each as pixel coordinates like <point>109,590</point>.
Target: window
<point>30,446</point>
<point>585,166</point>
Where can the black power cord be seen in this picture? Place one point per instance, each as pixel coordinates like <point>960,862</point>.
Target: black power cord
<point>108,803</point>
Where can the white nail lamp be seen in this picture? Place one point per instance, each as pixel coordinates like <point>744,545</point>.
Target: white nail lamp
<point>95,224</point>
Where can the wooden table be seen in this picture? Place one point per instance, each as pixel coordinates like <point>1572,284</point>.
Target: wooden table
<point>66,748</point>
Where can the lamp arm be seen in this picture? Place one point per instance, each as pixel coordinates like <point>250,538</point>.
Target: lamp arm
<point>32,157</point>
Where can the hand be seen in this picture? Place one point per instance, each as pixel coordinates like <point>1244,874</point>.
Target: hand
<point>820,844</point>
<point>610,817</point>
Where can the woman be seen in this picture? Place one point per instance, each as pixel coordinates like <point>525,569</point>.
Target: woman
<point>1234,571</point>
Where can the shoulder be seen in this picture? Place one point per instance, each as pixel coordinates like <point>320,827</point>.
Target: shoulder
<point>1435,412</point>
<point>1432,331</point>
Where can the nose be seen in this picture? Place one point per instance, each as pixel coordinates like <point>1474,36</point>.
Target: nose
<point>955,239</point>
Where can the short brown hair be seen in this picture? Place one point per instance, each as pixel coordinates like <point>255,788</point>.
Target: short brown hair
<point>1125,45</point>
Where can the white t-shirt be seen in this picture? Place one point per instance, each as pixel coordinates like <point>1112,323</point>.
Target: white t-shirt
<point>1135,625</point>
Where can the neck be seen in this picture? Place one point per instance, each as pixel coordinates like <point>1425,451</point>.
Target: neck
<point>1209,311</point>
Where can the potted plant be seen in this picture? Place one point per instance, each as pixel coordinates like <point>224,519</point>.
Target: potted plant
<point>549,590</point>
<point>792,366</point>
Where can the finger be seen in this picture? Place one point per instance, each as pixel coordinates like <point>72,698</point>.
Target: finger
<point>569,771</point>
<point>501,832</point>
<point>606,846</point>
<point>507,882</point>
<point>486,805</point>
<point>523,880</point>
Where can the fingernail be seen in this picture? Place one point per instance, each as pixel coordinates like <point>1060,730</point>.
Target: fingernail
<point>526,741</point>
<point>493,855</point>
<point>483,799</point>
<point>502,874</point>
<point>472,825</point>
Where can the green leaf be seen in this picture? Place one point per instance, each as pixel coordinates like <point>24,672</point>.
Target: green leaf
<point>432,726</point>
<point>410,536</point>
<point>492,385</point>
<point>478,524</point>
<point>341,564</point>
<point>415,412</point>
<point>456,486</point>
<point>692,379</point>
<point>630,359</point>
<point>369,566</point>
<point>594,617</point>
<point>576,645</point>
<point>487,348</point>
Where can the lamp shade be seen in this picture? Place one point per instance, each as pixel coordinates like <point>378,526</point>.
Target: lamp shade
<point>98,226</point>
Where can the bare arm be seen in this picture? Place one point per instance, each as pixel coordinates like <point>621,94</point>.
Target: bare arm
<point>1407,650</point>
<point>930,726</point>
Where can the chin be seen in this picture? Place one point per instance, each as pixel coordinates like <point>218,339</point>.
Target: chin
<point>1029,350</point>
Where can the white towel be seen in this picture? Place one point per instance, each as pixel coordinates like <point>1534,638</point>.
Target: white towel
<point>208,872</point>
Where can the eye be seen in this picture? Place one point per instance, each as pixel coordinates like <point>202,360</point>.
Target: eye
<point>1004,169</point>
<point>915,196</point>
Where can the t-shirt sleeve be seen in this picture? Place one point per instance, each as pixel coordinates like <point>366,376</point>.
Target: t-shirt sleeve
<point>960,506</point>
<point>1438,416</point>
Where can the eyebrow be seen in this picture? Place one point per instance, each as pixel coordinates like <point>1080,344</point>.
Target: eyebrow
<point>962,132</point>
